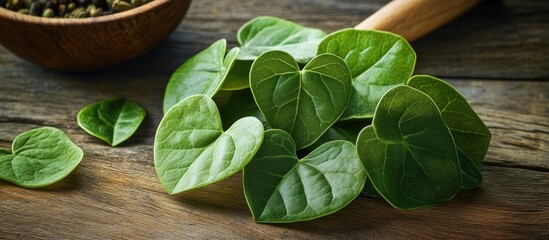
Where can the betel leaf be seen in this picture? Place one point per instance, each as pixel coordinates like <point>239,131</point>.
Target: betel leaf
<point>191,149</point>
<point>471,135</point>
<point>264,34</point>
<point>279,187</point>
<point>238,77</point>
<point>469,131</point>
<point>409,152</point>
<point>204,73</point>
<point>40,157</point>
<point>378,62</point>
<point>303,103</point>
<point>113,121</point>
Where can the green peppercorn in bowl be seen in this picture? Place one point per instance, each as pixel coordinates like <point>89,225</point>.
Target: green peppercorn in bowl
<point>86,35</point>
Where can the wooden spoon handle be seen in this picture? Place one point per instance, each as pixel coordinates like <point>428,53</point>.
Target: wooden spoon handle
<point>414,18</point>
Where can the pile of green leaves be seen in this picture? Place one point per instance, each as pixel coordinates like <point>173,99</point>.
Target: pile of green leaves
<point>314,120</point>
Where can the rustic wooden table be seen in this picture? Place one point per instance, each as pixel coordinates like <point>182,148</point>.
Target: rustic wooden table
<point>497,55</point>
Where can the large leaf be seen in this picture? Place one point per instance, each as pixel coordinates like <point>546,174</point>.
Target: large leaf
<point>264,34</point>
<point>303,103</point>
<point>378,62</point>
<point>39,157</point>
<point>204,73</point>
<point>112,121</point>
<point>191,149</point>
<point>471,135</point>
<point>279,187</point>
<point>409,152</point>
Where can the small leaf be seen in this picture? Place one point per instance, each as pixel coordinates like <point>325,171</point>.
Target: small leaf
<point>378,62</point>
<point>304,103</point>
<point>264,34</point>
<point>239,76</point>
<point>191,149</point>
<point>40,158</point>
<point>469,131</point>
<point>472,137</point>
<point>204,73</point>
<point>113,121</point>
<point>280,188</point>
<point>408,151</point>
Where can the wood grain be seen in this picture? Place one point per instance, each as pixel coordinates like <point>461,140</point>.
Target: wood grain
<point>115,192</point>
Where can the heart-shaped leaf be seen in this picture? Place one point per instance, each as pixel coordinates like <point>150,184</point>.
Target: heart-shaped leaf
<point>472,137</point>
<point>303,103</point>
<point>470,133</point>
<point>279,187</point>
<point>204,73</point>
<point>191,149</point>
<point>39,157</point>
<point>408,151</point>
<point>378,62</point>
<point>112,121</point>
<point>264,34</point>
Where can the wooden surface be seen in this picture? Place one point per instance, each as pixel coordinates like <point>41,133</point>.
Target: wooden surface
<point>497,55</point>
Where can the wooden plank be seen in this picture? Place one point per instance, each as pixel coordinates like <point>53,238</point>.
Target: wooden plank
<point>112,197</point>
<point>115,192</point>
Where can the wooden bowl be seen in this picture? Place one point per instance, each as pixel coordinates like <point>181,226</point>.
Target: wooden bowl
<point>90,43</point>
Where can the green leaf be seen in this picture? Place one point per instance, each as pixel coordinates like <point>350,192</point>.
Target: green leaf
<point>408,152</point>
<point>264,34</point>
<point>303,103</point>
<point>40,158</point>
<point>280,188</point>
<point>191,149</point>
<point>113,121</point>
<point>204,73</point>
<point>469,131</point>
<point>241,104</point>
<point>4,152</point>
<point>471,135</point>
<point>378,62</point>
<point>239,76</point>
